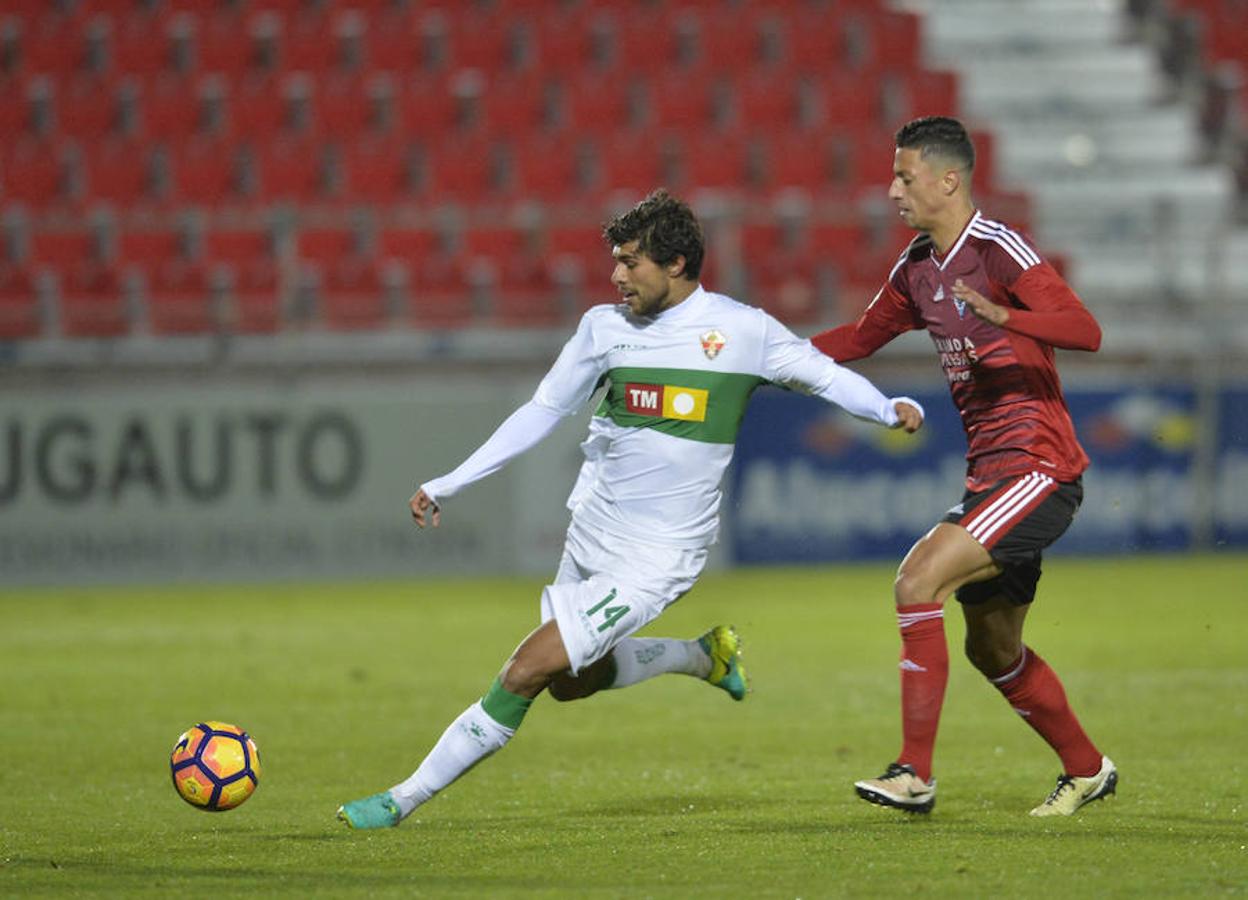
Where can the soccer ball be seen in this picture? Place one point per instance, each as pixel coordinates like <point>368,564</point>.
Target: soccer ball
<point>215,766</point>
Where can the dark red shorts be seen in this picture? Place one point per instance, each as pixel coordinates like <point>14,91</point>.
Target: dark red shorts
<point>1015,520</point>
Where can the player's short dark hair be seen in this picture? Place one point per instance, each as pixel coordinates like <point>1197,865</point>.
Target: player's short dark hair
<point>664,228</point>
<point>938,136</point>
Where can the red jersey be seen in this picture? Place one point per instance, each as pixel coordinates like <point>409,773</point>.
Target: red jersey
<point>1002,378</point>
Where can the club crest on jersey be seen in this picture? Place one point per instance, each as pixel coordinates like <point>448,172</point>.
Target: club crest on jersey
<point>712,342</point>
<point>668,401</point>
<point>960,306</point>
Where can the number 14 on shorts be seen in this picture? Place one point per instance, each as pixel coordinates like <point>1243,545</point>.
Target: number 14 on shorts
<point>611,614</point>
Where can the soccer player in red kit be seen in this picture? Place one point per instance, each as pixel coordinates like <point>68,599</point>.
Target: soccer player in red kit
<point>995,310</point>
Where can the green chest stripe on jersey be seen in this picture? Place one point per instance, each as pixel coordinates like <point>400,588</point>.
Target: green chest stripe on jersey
<point>643,398</point>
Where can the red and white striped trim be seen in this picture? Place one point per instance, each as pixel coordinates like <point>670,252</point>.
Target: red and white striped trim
<point>905,619</point>
<point>1009,240</point>
<point>1011,504</point>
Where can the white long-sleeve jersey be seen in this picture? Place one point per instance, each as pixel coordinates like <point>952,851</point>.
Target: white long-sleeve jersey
<point>677,387</point>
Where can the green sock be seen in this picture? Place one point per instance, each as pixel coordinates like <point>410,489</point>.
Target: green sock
<point>504,707</point>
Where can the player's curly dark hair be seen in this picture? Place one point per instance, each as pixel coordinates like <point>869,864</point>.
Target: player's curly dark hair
<point>938,136</point>
<point>664,228</point>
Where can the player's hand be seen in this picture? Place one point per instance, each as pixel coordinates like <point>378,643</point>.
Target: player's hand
<point>992,313</point>
<point>422,504</point>
<point>909,416</point>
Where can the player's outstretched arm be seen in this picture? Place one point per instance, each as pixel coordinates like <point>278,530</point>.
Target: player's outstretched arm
<point>526,427</point>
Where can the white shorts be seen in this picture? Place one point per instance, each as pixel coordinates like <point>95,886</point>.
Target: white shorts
<point>608,588</point>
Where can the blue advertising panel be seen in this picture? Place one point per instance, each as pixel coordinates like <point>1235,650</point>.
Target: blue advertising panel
<point>1230,524</point>
<point>813,484</point>
<point>1139,489</point>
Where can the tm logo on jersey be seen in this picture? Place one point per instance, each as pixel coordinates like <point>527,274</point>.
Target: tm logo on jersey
<point>667,400</point>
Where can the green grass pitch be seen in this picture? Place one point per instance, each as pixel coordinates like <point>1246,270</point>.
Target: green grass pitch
<point>667,789</point>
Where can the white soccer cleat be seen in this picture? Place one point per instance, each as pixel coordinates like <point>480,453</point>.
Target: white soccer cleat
<point>900,788</point>
<point>1073,792</point>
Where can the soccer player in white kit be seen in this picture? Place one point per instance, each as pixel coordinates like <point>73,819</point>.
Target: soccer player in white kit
<point>679,364</point>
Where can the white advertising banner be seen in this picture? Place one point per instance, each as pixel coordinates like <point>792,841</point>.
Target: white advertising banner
<point>258,479</point>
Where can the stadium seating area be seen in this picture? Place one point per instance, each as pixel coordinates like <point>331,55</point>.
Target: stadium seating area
<point>194,166</point>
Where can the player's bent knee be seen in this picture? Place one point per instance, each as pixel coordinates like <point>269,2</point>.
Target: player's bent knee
<point>991,658</point>
<point>909,589</point>
<point>518,677</point>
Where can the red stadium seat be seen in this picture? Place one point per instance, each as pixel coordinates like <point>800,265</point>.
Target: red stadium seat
<point>525,294</point>
<point>729,43</point>
<point>169,107</point>
<point>439,294</point>
<point>894,40</point>
<point>475,41</point>
<point>238,246</point>
<point>813,40</point>
<point>353,294</point>
<point>119,171</point>
<point>54,45</point>
<point>793,159</point>
<point>714,161</point>
<point>634,160</point>
<point>309,44</point>
<point>290,170</point>
<point>598,102</point>
<point>563,45</point>
<point>224,44</point>
<point>466,171</point>
<point>341,105</point>
<point>392,43</point>
<point>141,46</point>
<point>180,298</point>
<point>516,105</point>
<point>19,303</point>
<point>86,108</point>
<point>847,102</point>
<point>377,169</point>
<point>33,172</point>
<point>62,248</point>
<point>326,245</point>
<point>497,242</point>
<point>682,100</point>
<point>787,285</point>
<point>932,93</point>
<point>15,109</point>
<point>205,170</point>
<point>582,254</point>
<point>658,43</point>
<point>254,298</point>
<point>425,106</point>
<point>256,107</point>
<point>547,166</point>
<point>92,301</point>
<point>409,246</point>
<point>766,100</point>
<point>150,248</point>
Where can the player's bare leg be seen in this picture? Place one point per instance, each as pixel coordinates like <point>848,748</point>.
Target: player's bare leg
<point>943,560</point>
<point>994,645</point>
<point>481,730</point>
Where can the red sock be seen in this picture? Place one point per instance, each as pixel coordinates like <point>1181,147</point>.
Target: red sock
<point>1036,693</point>
<point>924,672</point>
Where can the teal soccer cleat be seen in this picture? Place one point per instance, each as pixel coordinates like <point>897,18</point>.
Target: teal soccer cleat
<point>723,645</point>
<point>377,811</point>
